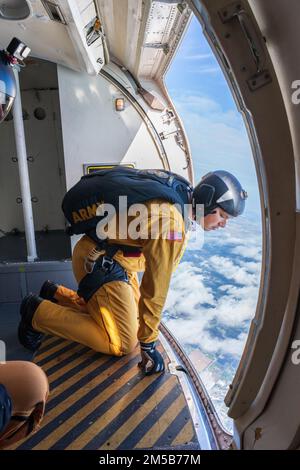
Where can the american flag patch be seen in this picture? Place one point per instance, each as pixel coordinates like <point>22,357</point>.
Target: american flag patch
<point>174,236</point>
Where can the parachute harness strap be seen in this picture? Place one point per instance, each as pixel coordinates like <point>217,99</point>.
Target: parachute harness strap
<point>103,250</point>
<point>91,258</point>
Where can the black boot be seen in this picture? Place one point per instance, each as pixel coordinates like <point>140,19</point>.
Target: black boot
<point>28,336</point>
<point>48,290</point>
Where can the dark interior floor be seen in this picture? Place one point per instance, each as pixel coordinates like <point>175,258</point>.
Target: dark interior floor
<point>52,245</point>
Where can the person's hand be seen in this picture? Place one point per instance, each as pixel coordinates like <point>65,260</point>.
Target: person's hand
<point>5,408</point>
<point>152,361</point>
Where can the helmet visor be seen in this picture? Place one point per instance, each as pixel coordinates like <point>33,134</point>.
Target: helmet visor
<point>6,102</point>
<point>233,207</point>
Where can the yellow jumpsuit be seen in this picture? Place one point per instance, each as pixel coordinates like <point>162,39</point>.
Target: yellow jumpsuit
<point>119,313</point>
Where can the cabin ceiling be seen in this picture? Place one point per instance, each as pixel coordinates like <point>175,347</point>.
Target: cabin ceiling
<point>141,35</point>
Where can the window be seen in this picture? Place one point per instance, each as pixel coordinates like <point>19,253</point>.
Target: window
<point>214,291</point>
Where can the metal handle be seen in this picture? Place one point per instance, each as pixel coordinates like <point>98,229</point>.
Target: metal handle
<point>253,40</point>
<point>236,10</point>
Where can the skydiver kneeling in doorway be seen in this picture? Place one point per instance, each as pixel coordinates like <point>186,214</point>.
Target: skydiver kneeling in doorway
<point>110,311</point>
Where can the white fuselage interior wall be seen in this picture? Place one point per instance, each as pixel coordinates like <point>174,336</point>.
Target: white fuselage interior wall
<point>94,132</point>
<point>41,118</point>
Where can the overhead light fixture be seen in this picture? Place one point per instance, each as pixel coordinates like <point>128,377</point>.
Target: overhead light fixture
<point>120,104</point>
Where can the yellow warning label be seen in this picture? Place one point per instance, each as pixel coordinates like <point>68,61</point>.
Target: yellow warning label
<point>93,167</point>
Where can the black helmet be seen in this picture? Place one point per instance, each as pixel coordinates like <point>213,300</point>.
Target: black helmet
<point>220,189</point>
<point>7,86</point>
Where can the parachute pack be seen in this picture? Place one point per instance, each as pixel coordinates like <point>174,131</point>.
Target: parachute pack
<point>105,186</point>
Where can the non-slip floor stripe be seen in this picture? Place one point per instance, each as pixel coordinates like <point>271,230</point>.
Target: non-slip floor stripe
<point>84,399</point>
<point>186,435</point>
<point>163,423</point>
<point>173,429</point>
<point>103,402</point>
<point>124,414</point>
<point>139,410</point>
<point>76,424</point>
<point>52,348</point>
<point>99,411</point>
<point>84,381</point>
<point>53,355</point>
<point>66,404</point>
<point>136,435</point>
<point>61,363</point>
<point>62,356</point>
<point>52,342</point>
<point>59,377</point>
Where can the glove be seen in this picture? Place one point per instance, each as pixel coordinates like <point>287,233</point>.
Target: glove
<point>5,408</point>
<point>152,361</point>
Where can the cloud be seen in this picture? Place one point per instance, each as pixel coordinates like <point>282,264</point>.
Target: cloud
<point>197,57</point>
<point>213,293</point>
<point>204,70</point>
<point>213,132</point>
<point>194,333</point>
<point>240,234</point>
<point>198,103</point>
<point>188,290</point>
<point>231,270</point>
<point>215,135</point>
<point>248,252</point>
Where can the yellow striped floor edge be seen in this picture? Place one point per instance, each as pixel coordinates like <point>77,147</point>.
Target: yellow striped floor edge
<point>103,402</point>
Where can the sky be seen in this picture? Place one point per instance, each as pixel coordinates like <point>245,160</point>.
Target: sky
<point>214,126</point>
<point>213,293</point>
